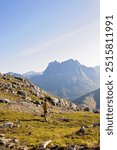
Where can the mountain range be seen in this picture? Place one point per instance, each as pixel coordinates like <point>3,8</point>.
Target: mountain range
<point>68,79</point>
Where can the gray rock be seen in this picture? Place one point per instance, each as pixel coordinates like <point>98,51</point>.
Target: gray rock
<point>14,86</point>
<point>96,111</point>
<point>14,140</point>
<point>96,124</point>
<point>11,145</point>
<point>90,102</point>
<point>7,125</point>
<point>20,79</point>
<point>73,106</point>
<point>81,131</point>
<point>43,145</point>
<point>75,147</point>
<point>86,109</point>
<point>54,101</point>
<point>23,93</point>
<point>5,141</point>
<point>5,101</point>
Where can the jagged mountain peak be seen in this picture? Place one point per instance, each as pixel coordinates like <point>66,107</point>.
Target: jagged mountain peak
<point>63,67</point>
<point>71,61</point>
<point>68,79</point>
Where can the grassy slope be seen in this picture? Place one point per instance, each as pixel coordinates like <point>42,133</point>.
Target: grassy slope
<point>55,129</point>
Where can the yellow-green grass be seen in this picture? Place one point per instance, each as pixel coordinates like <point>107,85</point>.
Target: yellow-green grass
<point>9,96</point>
<point>59,131</point>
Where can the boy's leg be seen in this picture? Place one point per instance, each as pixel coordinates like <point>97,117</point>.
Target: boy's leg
<point>45,115</point>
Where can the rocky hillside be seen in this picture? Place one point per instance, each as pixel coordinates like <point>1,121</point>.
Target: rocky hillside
<point>21,90</point>
<point>68,79</point>
<point>94,94</point>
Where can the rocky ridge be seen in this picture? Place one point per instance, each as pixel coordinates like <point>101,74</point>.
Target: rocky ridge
<point>16,90</point>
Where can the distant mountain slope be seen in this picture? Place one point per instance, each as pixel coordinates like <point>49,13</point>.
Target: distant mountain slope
<point>94,94</point>
<point>68,79</point>
<point>30,74</point>
<point>14,74</point>
<point>25,75</point>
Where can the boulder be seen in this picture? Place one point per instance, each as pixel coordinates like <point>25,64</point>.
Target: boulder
<point>7,125</point>
<point>96,124</point>
<point>54,101</point>
<point>20,79</point>
<point>23,93</point>
<point>4,141</point>
<point>14,85</point>
<point>73,106</point>
<point>96,111</point>
<point>82,106</point>
<point>5,101</point>
<point>23,148</point>
<point>90,102</point>
<point>43,145</point>
<point>11,145</point>
<point>81,131</point>
<point>87,109</point>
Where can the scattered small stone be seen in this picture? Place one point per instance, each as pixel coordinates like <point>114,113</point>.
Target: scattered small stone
<point>7,125</point>
<point>96,124</point>
<point>75,147</point>
<point>43,145</point>
<point>81,131</point>
<point>30,133</point>
<point>96,111</point>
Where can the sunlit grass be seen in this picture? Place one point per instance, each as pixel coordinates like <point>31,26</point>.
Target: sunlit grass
<point>56,129</point>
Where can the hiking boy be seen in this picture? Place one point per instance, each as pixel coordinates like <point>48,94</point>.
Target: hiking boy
<point>45,109</point>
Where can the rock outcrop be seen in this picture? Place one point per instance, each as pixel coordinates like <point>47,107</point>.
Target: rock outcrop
<point>23,90</point>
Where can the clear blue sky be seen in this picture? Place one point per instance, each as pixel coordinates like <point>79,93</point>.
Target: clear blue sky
<point>36,32</point>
